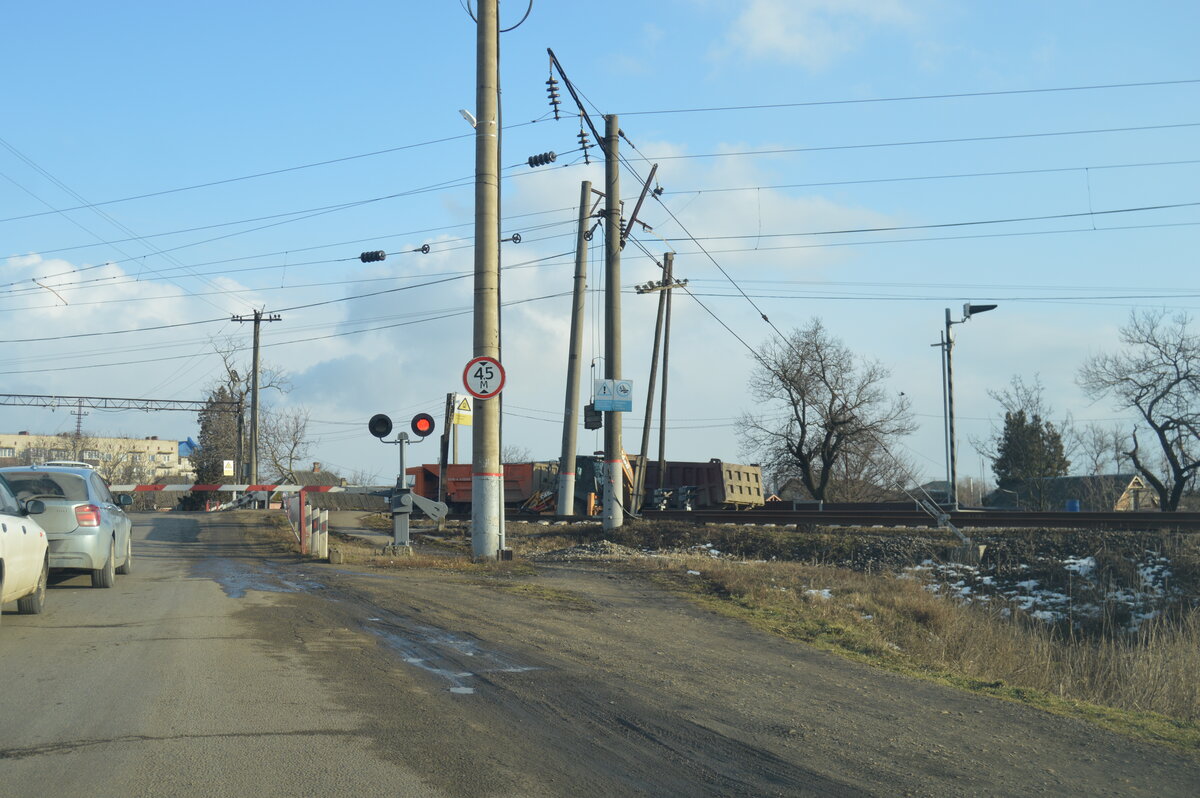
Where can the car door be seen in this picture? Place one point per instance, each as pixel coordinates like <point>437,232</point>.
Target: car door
<point>121,521</point>
<point>21,547</point>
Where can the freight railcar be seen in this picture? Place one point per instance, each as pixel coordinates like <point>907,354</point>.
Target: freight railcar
<point>532,486</point>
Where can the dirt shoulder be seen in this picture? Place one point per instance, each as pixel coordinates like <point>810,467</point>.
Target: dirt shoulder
<point>588,679</point>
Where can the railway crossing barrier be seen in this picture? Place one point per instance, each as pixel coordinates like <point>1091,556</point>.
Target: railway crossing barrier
<point>311,527</point>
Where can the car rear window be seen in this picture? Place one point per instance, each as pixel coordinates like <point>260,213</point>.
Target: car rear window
<point>43,484</point>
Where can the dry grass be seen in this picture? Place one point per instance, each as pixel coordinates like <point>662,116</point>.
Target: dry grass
<point>1143,684</point>
<point>455,557</point>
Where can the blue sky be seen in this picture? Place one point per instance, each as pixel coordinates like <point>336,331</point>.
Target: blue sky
<point>125,99</point>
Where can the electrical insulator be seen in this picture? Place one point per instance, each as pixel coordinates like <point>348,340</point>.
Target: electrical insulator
<point>373,257</point>
<point>552,90</point>
<point>542,160</point>
<point>584,144</point>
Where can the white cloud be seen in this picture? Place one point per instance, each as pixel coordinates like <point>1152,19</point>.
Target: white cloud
<point>811,33</point>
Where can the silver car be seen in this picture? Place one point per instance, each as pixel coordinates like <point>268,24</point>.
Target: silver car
<point>87,528</point>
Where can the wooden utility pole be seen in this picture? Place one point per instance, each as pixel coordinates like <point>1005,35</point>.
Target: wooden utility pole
<point>613,514</point>
<point>566,464</point>
<point>258,319</point>
<point>443,454</point>
<point>487,480</point>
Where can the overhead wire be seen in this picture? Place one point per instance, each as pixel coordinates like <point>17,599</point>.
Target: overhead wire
<point>440,317</point>
<point>450,278</point>
<point>79,198</point>
<point>914,143</point>
<point>910,178</point>
<point>941,225</point>
<point>256,175</point>
<point>911,98</point>
<point>375,238</point>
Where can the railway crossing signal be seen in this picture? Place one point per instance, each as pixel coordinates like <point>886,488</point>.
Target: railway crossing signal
<point>403,498</point>
<point>380,426</point>
<point>422,425</point>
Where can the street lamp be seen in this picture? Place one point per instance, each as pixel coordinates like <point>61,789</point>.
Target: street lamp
<point>947,346</point>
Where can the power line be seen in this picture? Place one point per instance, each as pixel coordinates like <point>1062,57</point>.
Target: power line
<point>295,341</point>
<point>294,251</point>
<point>78,197</point>
<point>956,95</point>
<point>252,176</point>
<point>864,181</point>
<point>830,244</point>
<point>939,225</point>
<point>968,139</point>
<point>301,214</point>
<point>450,278</point>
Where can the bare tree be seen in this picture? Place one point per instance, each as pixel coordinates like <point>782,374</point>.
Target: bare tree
<point>361,476</point>
<point>1100,449</point>
<point>283,440</point>
<point>235,384</point>
<point>869,473</point>
<point>1157,374</point>
<point>515,454</point>
<point>828,415</point>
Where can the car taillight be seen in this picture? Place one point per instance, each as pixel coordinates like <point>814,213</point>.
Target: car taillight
<point>87,515</point>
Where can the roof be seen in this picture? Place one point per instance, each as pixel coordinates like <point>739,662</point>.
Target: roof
<point>82,469</point>
<point>309,479</point>
<point>1092,491</point>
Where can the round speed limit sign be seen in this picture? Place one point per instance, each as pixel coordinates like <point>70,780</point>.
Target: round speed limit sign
<point>483,377</point>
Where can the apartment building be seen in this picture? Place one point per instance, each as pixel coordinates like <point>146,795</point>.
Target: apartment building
<point>118,459</point>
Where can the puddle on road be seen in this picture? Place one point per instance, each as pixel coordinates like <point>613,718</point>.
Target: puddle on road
<point>431,649</point>
<point>439,652</point>
<point>236,578</point>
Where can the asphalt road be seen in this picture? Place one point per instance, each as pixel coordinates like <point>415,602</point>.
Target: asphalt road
<point>224,666</point>
<point>156,688</point>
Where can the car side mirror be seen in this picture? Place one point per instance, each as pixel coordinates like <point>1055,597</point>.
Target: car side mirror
<point>124,499</point>
<point>35,507</point>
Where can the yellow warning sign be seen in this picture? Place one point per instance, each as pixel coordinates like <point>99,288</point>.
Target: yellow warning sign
<point>462,410</point>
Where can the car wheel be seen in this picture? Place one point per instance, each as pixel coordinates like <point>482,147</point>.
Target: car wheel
<point>35,602</point>
<point>127,566</point>
<point>106,576</point>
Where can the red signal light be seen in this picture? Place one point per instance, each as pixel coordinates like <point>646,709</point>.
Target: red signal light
<point>422,424</point>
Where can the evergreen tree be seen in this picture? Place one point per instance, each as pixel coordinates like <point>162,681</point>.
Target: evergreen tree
<point>217,438</point>
<point>1029,448</point>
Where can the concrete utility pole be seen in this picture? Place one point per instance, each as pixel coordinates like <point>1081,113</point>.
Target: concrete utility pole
<point>258,319</point>
<point>664,288</point>
<point>952,477</point>
<point>613,514</point>
<point>487,479</point>
<point>666,359</point>
<point>566,465</point>
<point>947,344</point>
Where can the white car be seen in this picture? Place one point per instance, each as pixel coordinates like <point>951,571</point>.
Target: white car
<point>24,553</point>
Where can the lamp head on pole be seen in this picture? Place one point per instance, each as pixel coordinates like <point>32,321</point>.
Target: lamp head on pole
<point>970,310</point>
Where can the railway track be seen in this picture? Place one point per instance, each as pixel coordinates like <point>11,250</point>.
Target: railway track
<point>859,516</point>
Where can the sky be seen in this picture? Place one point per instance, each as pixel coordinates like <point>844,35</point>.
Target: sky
<point>166,167</point>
